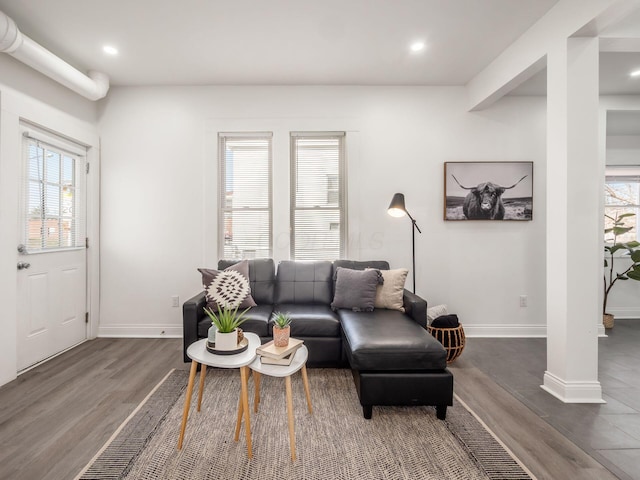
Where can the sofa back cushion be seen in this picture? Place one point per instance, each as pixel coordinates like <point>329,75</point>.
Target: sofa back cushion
<point>262,278</point>
<point>304,282</point>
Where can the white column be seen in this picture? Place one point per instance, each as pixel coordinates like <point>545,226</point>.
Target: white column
<point>574,191</point>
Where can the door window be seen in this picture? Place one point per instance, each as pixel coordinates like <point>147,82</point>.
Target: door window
<point>53,200</point>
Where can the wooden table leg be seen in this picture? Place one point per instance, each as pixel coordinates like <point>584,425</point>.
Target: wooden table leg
<point>256,396</point>
<point>187,402</point>
<point>305,381</point>
<point>292,437</point>
<point>239,420</point>
<point>244,379</point>
<point>203,374</point>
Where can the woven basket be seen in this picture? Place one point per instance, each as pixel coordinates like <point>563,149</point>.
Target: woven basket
<point>452,339</point>
<point>607,320</point>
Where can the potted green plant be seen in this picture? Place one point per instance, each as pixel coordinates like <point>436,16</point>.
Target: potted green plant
<point>618,228</point>
<point>281,329</point>
<point>226,322</point>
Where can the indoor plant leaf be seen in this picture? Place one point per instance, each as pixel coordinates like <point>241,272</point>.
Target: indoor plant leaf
<point>635,256</point>
<point>621,230</point>
<point>634,274</point>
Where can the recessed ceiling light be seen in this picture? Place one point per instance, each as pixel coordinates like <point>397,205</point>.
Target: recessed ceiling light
<point>109,50</point>
<point>417,46</point>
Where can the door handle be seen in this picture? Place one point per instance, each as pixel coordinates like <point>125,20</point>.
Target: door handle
<point>23,265</point>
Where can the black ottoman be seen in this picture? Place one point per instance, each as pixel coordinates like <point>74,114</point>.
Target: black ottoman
<point>395,361</point>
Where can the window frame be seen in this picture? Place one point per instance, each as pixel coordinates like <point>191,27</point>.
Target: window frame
<point>52,143</point>
<point>223,137</point>
<point>632,172</point>
<point>341,183</point>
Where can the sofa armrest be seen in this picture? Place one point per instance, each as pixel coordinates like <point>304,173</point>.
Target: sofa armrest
<point>191,312</point>
<point>415,307</point>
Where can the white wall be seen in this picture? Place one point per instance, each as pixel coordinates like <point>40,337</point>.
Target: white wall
<point>43,102</point>
<point>159,186</point>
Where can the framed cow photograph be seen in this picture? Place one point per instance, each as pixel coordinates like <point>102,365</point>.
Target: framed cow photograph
<point>488,190</point>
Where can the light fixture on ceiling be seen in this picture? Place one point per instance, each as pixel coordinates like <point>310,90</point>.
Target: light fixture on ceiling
<point>635,73</point>
<point>417,46</point>
<point>110,50</point>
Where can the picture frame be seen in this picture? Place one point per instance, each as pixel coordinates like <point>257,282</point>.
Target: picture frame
<point>488,191</point>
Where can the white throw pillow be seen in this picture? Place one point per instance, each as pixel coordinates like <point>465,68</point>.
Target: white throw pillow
<point>435,312</point>
<point>389,294</point>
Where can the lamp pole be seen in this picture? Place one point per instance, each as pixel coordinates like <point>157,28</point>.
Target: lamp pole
<point>398,209</point>
<point>414,227</point>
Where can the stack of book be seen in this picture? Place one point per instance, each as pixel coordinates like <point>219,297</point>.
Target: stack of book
<point>271,355</point>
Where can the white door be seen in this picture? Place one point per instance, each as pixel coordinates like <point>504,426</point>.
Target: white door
<point>51,261</point>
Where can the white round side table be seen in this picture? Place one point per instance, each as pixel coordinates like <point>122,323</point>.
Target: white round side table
<point>199,355</point>
<point>299,363</point>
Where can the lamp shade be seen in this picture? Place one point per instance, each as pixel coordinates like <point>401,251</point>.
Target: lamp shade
<point>396,207</point>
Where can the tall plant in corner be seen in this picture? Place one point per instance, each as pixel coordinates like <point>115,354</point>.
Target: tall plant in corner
<point>610,275</point>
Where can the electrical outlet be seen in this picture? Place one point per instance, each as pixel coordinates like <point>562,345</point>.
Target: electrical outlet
<point>523,300</point>
<point>175,301</point>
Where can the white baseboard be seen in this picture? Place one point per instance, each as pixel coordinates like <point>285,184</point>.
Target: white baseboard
<point>476,330</point>
<point>498,330</point>
<point>572,392</point>
<point>628,313</point>
<point>140,331</point>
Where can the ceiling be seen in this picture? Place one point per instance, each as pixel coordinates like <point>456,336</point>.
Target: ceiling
<point>284,42</point>
<point>300,42</point>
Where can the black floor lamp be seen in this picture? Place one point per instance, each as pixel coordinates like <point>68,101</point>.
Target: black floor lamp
<point>397,209</point>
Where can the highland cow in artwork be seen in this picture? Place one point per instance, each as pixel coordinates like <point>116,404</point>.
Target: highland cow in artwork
<point>497,199</point>
<point>484,202</point>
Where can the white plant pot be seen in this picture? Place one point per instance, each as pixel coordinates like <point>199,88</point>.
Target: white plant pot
<point>227,341</point>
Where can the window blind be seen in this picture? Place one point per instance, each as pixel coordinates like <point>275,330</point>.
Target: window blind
<point>245,212</point>
<point>318,220</point>
<point>54,194</point>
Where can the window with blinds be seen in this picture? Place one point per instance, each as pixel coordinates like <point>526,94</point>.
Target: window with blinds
<point>318,196</point>
<point>622,195</point>
<point>245,195</point>
<point>54,209</point>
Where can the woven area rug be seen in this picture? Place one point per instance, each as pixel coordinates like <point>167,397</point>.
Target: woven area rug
<point>335,442</point>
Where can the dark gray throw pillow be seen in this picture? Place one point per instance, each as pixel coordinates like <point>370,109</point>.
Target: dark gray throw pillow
<point>356,289</point>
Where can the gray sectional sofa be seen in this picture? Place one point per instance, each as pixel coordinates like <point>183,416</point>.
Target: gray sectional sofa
<point>394,360</point>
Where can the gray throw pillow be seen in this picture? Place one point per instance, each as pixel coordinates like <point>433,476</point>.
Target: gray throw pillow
<point>228,288</point>
<point>356,289</point>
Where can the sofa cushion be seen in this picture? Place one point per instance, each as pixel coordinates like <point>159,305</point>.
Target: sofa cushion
<point>356,289</point>
<point>262,278</point>
<point>389,340</point>
<point>390,293</point>
<point>310,320</point>
<point>229,287</point>
<point>257,321</point>
<point>304,282</point>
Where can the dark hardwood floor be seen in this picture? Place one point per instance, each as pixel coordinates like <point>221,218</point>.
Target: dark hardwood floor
<point>54,418</point>
<point>610,433</point>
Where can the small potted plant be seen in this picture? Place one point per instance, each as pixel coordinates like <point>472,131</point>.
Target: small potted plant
<point>226,322</point>
<point>610,275</point>
<point>281,329</point>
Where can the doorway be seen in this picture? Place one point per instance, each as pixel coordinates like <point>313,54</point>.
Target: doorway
<point>51,247</point>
